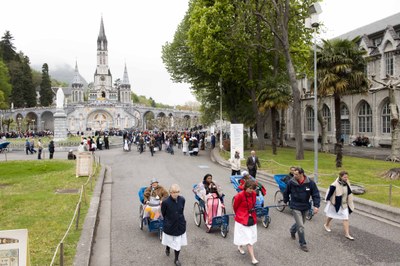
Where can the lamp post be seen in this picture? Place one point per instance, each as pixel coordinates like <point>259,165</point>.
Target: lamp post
<point>220,115</point>
<point>313,22</point>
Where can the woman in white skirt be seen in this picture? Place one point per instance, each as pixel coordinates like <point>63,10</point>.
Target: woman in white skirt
<point>246,219</point>
<point>174,227</point>
<point>340,203</point>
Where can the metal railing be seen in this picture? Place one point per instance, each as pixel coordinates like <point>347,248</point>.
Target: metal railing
<point>76,216</point>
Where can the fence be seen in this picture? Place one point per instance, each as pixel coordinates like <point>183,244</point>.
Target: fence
<point>389,196</point>
<point>76,216</point>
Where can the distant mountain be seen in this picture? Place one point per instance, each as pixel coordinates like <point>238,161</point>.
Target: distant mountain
<point>64,73</point>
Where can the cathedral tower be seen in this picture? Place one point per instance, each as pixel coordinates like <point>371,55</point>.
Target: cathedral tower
<point>102,88</point>
<point>77,87</point>
<point>125,88</point>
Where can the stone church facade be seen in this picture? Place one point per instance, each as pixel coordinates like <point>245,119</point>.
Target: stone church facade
<point>361,115</point>
<point>107,107</point>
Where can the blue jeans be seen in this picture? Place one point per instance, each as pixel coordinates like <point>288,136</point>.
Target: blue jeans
<point>298,226</point>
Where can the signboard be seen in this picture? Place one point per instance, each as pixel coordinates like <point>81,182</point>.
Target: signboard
<point>14,249</point>
<point>212,130</point>
<point>237,143</point>
<point>84,164</point>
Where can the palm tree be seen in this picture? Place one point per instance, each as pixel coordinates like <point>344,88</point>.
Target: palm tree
<point>341,71</point>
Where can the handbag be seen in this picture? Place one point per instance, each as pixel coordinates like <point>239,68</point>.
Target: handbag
<point>250,221</point>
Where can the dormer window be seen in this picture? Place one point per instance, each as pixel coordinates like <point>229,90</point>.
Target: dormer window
<point>377,41</point>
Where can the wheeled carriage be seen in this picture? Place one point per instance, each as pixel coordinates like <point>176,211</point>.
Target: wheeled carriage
<point>261,210</point>
<point>154,225</point>
<point>219,221</point>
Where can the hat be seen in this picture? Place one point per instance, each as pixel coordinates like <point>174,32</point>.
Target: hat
<point>153,180</point>
<point>245,173</point>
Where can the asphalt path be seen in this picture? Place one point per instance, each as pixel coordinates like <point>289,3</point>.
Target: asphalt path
<point>376,243</point>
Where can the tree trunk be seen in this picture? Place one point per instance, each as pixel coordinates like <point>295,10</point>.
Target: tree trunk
<point>282,130</point>
<point>394,127</point>
<point>338,125</point>
<point>322,121</point>
<point>251,138</point>
<point>274,114</point>
<point>298,134</point>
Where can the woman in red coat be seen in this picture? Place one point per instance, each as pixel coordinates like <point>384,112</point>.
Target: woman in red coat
<point>246,219</point>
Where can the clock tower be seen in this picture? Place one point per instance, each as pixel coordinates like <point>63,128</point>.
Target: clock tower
<point>102,89</point>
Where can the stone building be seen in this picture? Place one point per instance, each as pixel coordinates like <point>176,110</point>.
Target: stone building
<point>107,106</point>
<point>361,115</point>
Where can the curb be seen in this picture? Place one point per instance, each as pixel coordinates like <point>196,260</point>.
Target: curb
<point>85,244</point>
<point>378,211</point>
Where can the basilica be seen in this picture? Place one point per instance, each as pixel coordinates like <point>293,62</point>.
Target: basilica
<point>102,106</point>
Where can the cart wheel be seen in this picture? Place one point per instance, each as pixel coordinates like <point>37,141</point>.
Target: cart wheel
<point>197,214</point>
<point>266,221</point>
<point>141,217</point>
<point>160,233</point>
<point>224,230</point>
<point>309,214</point>
<point>278,199</point>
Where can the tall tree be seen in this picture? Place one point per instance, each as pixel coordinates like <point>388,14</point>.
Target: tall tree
<point>341,71</point>
<point>5,86</point>
<point>285,18</point>
<point>29,91</point>
<point>7,49</point>
<point>46,95</point>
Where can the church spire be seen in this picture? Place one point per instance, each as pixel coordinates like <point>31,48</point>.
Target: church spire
<point>102,39</point>
<point>125,79</point>
<point>77,76</point>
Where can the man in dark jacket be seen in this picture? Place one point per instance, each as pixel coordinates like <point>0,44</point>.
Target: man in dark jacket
<point>174,227</point>
<point>252,163</point>
<point>299,189</point>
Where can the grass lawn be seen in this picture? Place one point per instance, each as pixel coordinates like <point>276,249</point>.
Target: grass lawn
<point>362,171</point>
<point>28,199</point>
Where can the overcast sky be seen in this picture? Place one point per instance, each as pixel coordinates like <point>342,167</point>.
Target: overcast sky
<point>60,32</point>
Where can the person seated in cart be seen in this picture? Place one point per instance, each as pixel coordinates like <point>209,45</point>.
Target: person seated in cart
<point>212,196</point>
<point>247,176</point>
<point>152,198</point>
<point>289,176</point>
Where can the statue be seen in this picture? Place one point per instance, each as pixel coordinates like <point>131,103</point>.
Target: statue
<point>60,98</point>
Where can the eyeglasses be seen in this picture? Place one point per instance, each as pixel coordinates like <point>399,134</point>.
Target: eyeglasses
<point>175,192</point>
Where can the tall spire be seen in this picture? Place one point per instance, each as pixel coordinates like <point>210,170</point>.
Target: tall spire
<point>77,76</point>
<point>125,79</point>
<point>102,39</point>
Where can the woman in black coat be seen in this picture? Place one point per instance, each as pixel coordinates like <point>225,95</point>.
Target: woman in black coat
<point>51,149</point>
<point>174,228</point>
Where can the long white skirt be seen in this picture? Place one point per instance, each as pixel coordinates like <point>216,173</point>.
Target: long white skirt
<point>330,211</point>
<point>174,242</point>
<point>244,235</point>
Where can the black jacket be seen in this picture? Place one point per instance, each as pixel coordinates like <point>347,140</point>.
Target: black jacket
<point>174,220</point>
<point>300,194</point>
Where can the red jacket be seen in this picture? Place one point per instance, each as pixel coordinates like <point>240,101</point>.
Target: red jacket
<point>242,204</point>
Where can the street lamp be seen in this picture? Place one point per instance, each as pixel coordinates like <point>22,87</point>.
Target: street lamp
<point>220,115</point>
<point>313,22</point>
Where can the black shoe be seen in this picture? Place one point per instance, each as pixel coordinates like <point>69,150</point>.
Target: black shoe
<point>167,252</point>
<point>178,263</point>
<point>293,235</point>
<point>304,248</point>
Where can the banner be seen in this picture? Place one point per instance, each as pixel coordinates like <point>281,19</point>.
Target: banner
<point>237,143</point>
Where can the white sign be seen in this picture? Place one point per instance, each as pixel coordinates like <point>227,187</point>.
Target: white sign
<point>237,143</point>
<point>14,248</point>
<point>212,129</point>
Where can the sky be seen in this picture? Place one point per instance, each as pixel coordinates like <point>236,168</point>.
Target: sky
<point>62,32</point>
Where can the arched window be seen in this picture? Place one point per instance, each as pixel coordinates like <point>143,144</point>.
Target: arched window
<point>326,114</point>
<point>309,119</point>
<point>386,118</point>
<point>365,118</point>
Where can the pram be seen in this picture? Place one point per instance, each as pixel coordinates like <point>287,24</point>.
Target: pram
<point>278,198</point>
<point>261,210</point>
<point>3,146</point>
<point>154,225</point>
<point>199,210</point>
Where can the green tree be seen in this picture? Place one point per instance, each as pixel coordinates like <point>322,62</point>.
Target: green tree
<point>29,91</point>
<point>46,94</point>
<point>341,71</point>
<point>5,86</point>
<point>7,49</point>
